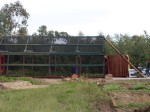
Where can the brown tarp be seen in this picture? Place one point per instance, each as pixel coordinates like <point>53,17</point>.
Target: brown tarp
<point>116,65</point>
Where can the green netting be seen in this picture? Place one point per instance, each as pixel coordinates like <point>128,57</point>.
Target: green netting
<point>51,44</point>
<point>52,55</point>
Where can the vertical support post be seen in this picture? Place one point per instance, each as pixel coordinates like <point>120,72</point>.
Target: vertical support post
<point>104,60</point>
<point>49,70</point>
<point>32,63</point>
<point>55,66</point>
<point>80,64</point>
<point>3,67</point>
<point>7,68</point>
<point>77,50</point>
<point>104,66</point>
<point>23,64</point>
<point>77,64</point>
<point>0,66</point>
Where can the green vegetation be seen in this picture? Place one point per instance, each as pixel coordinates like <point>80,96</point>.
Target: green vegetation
<point>64,97</point>
<point>112,87</point>
<point>132,105</point>
<point>139,87</point>
<point>11,79</point>
<point>136,47</point>
<point>128,85</point>
<point>76,96</point>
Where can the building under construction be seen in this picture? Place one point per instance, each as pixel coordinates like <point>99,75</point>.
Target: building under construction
<point>51,56</point>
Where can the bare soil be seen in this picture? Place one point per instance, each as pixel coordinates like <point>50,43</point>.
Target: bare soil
<point>123,98</point>
<point>106,107</point>
<point>128,97</point>
<point>28,85</point>
<point>19,85</point>
<point>50,81</point>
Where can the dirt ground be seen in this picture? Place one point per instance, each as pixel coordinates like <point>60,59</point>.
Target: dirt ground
<point>128,97</point>
<point>28,85</point>
<point>124,98</point>
<point>116,97</point>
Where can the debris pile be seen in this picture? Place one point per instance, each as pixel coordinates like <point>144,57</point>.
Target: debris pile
<point>74,77</point>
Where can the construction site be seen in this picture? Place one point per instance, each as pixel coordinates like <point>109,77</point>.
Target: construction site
<point>78,61</point>
<point>53,57</point>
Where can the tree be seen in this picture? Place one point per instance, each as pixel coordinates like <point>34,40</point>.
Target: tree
<point>57,34</point>
<point>14,18</point>
<point>42,30</point>
<point>2,21</point>
<point>51,33</point>
<point>22,31</point>
<point>65,34</point>
<point>107,48</point>
<point>80,33</point>
<point>137,47</point>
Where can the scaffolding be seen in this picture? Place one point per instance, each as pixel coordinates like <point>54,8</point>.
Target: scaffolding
<point>52,56</point>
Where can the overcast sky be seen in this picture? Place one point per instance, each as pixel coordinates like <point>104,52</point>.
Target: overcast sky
<point>89,16</point>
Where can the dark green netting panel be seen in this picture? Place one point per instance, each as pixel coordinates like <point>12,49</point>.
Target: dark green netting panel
<point>46,56</point>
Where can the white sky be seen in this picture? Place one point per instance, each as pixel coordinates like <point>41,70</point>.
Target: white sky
<point>89,16</point>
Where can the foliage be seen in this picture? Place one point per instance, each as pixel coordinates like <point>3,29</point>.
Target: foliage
<point>13,19</point>
<point>2,21</point>
<point>136,47</point>
<point>107,48</point>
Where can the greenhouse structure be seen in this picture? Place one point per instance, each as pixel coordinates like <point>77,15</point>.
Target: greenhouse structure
<point>47,56</point>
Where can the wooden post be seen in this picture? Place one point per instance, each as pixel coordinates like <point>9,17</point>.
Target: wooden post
<point>49,71</point>
<point>77,66</point>
<point>23,63</point>
<point>33,63</point>
<point>80,63</point>
<point>55,66</point>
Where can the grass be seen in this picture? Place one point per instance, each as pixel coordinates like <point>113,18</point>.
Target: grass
<point>136,86</point>
<point>133,105</point>
<point>12,79</point>
<point>139,87</point>
<point>64,97</point>
<point>112,87</point>
<point>75,96</point>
